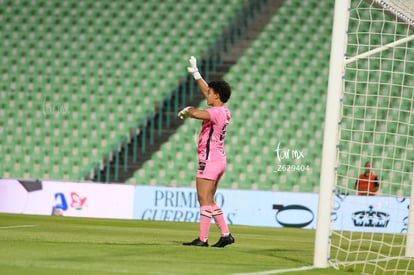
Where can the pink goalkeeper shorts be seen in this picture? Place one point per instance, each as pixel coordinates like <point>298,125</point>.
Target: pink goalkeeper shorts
<point>211,170</point>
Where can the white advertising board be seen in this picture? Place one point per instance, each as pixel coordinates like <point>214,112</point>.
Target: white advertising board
<point>242,207</point>
<point>256,208</point>
<point>368,213</point>
<point>67,198</point>
<point>274,209</point>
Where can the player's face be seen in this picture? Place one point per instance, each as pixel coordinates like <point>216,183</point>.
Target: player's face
<point>211,97</point>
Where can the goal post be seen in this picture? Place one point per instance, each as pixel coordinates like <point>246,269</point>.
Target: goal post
<point>369,119</point>
<point>409,252</point>
<point>328,165</point>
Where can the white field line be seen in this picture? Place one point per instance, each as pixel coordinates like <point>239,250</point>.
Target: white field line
<point>17,226</point>
<point>278,271</point>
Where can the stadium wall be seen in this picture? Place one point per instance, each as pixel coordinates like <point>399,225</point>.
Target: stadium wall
<point>175,204</point>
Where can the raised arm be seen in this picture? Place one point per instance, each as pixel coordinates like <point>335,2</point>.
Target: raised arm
<point>197,76</point>
<point>190,111</point>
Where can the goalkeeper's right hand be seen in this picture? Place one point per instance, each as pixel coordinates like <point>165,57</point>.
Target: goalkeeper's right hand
<point>193,68</point>
<point>184,113</point>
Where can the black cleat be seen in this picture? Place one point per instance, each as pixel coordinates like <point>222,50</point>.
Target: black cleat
<point>197,242</point>
<point>223,241</point>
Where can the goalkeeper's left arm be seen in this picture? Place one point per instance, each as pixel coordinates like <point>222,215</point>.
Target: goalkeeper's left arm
<point>192,112</point>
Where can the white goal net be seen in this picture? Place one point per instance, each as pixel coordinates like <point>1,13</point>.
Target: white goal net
<point>373,178</point>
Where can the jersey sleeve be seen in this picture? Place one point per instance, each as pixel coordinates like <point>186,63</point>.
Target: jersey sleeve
<point>214,114</point>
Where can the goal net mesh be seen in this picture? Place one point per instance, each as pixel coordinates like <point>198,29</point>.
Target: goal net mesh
<point>376,126</point>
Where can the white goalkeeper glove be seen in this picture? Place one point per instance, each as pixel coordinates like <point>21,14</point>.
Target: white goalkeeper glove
<point>184,113</point>
<point>193,68</point>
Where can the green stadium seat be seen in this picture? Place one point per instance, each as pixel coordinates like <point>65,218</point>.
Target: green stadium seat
<point>106,67</point>
<point>69,61</point>
<point>289,112</point>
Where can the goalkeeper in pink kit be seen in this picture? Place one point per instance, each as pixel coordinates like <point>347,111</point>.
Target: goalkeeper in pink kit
<point>211,155</point>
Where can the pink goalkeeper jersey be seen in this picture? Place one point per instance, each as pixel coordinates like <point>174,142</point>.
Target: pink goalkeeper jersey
<point>212,134</point>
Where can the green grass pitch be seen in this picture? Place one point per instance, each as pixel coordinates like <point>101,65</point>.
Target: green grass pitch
<point>45,245</point>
